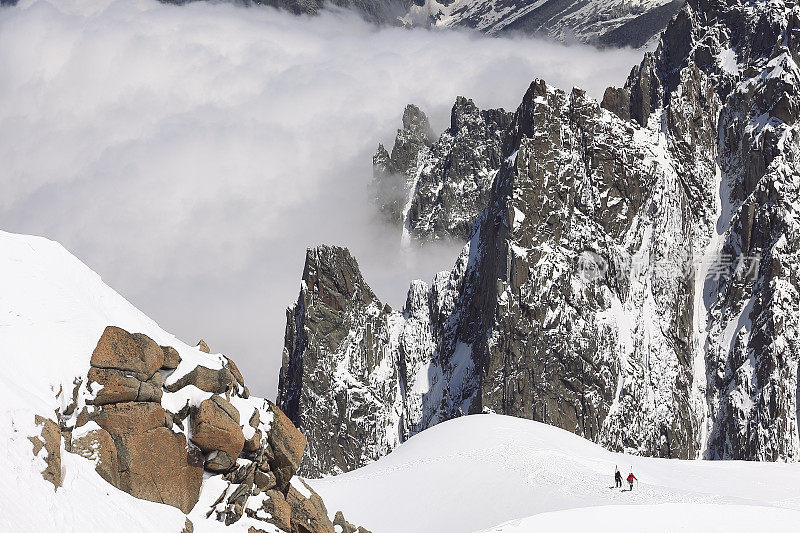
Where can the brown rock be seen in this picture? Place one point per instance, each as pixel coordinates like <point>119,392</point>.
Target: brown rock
<point>287,444</point>
<point>242,474</point>
<point>283,475</point>
<point>188,527</point>
<point>73,403</point>
<point>119,386</point>
<point>346,526</point>
<point>235,371</point>
<point>253,444</point>
<point>309,515</point>
<point>215,427</point>
<point>203,347</point>
<point>50,440</point>
<point>242,492</point>
<point>265,456</point>
<point>171,358</point>
<point>206,379</point>
<point>255,418</point>
<point>97,445</point>
<point>153,462</point>
<point>135,354</point>
<point>280,510</point>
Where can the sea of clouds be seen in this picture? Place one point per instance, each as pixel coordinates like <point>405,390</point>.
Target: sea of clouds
<point>191,154</point>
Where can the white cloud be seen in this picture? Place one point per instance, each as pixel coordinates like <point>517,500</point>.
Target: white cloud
<point>191,154</point>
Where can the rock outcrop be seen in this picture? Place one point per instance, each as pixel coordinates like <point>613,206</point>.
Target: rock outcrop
<point>347,527</point>
<point>216,381</point>
<point>215,428</point>
<point>394,174</point>
<point>153,462</point>
<point>633,277</point>
<point>138,445</point>
<point>49,442</point>
<point>287,445</point>
<point>136,354</point>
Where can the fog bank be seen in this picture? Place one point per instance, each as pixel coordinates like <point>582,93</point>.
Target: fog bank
<point>191,154</point>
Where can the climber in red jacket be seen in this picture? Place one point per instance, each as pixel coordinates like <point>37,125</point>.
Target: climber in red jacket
<point>631,479</point>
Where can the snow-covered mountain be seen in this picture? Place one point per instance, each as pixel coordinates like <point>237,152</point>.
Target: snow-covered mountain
<point>615,23</point>
<point>608,22</point>
<point>451,177</point>
<point>504,474</point>
<point>135,432</point>
<point>377,11</point>
<point>633,277</point>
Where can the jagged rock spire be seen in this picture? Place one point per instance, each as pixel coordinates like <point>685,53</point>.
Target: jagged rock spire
<point>681,192</point>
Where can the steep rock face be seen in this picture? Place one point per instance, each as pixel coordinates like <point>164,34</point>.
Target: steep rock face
<point>633,277</point>
<point>394,174</point>
<point>338,384</point>
<point>443,185</point>
<point>745,53</point>
<point>753,336</point>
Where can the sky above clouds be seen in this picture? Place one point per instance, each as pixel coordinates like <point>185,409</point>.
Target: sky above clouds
<point>190,155</point>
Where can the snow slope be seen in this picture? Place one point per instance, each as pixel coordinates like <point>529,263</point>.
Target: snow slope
<point>709,518</point>
<point>53,309</point>
<point>481,471</point>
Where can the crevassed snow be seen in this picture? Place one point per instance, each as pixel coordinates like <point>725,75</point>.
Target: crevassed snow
<point>479,471</point>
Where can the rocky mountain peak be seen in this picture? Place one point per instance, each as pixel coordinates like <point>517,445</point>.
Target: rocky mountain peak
<point>331,274</point>
<point>630,266</point>
<point>434,190</point>
<point>416,125</point>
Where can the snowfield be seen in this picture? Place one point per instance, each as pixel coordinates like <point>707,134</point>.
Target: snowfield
<point>513,475</point>
<point>469,474</point>
<point>53,309</point>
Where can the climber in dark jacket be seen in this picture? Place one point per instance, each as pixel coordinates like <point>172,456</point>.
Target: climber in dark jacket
<point>617,478</point>
<point>631,479</point>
